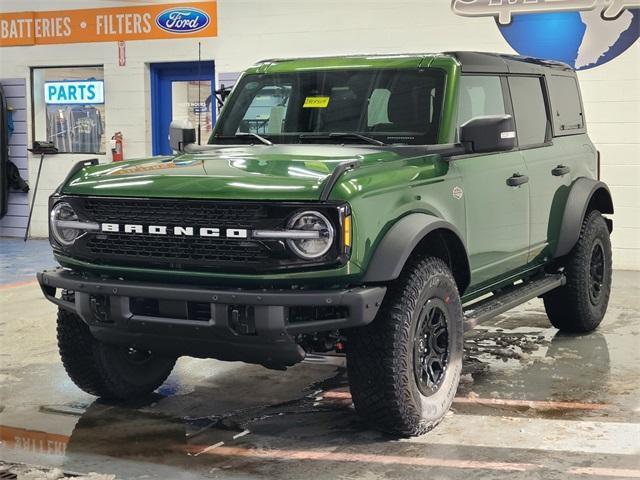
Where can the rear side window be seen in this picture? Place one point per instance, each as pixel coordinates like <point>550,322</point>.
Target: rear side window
<point>565,105</point>
<point>532,122</point>
<point>479,95</point>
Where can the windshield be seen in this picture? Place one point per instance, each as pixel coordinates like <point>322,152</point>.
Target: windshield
<point>345,106</point>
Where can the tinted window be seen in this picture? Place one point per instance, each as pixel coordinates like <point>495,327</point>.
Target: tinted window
<point>479,95</point>
<point>265,113</point>
<point>565,102</point>
<point>394,106</point>
<point>378,110</point>
<point>532,124</point>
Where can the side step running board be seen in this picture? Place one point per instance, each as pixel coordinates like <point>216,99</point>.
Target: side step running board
<point>509,298</point>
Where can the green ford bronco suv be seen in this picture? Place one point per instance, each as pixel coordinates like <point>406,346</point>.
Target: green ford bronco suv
<point>373,206</point>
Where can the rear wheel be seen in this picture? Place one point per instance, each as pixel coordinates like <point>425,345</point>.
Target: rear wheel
<point>108,371</point>
<point>580,305</point>
<point>404,367</point>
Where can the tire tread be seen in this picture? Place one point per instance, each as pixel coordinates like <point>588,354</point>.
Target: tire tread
<point>87,362</point>
<point>569,308</point>
<point>381,382</point>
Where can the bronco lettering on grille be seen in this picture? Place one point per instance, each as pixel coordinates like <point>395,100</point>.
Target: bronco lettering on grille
<point>176,231</point>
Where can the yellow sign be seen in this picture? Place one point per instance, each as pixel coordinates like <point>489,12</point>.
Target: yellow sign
<point>182,20</point>
<point>316,102</point>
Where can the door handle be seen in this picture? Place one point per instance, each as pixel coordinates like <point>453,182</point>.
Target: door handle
<point>560,171</point>
<point>516,180</point>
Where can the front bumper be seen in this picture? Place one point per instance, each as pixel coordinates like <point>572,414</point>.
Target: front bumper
<point>252,326</point>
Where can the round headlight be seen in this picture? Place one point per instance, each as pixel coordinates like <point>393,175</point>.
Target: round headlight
<point>62,213</point>
<point>310,248</point>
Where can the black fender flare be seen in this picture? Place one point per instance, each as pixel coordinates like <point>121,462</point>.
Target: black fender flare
<point>583,192</point>
<point>400,241</point>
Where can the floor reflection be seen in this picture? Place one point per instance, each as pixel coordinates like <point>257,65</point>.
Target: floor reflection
<point>245,420</point>
<point>539,379</point>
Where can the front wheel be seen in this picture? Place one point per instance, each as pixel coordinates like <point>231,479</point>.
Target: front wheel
<point>404,367</point>
<point>580,305</point>
<point>108,371</point>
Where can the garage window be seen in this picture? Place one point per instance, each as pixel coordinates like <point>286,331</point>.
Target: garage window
<point>68,108</point>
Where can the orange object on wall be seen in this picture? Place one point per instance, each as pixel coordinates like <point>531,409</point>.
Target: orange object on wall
<point>148,22</point>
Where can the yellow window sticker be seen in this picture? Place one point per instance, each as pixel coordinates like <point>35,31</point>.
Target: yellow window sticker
<point>316,102</point>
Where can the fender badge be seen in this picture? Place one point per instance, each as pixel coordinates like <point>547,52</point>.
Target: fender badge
<point>457,192</point>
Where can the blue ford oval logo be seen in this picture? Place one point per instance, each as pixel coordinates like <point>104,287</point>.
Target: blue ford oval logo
<point>182,20</point>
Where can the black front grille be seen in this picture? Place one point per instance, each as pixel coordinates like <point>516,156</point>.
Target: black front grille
<point>177,250</point>
<point>175,212</point>
<point>196,253</point>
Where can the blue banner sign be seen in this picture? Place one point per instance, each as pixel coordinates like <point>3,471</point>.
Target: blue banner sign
<point>82,92</point>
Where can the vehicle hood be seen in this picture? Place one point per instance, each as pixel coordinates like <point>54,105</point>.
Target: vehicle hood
<point>277,172</point>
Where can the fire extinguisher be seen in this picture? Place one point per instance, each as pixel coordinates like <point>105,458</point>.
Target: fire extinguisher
<point>116,147</point>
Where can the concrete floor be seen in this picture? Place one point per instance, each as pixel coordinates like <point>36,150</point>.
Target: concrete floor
<point>533,404</point>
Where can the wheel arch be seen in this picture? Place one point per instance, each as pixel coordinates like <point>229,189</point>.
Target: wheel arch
<point>586,194</point>
<point>419,233</point>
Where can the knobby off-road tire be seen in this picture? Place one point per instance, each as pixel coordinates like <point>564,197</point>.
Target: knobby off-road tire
<point>108,371</point>
<point>420,316</point>
<point>580,305</point>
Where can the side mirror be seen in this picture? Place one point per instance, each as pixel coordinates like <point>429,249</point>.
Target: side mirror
<point>181,134</point>
<point>490,133</point>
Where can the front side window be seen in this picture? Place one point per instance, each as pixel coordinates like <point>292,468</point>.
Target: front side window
<point>479,95</point>
<point>532,122</point>
<point>391,106</point>
<point>68,108</point>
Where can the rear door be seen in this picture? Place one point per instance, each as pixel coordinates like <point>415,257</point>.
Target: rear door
<point>497,215</point>
<point>546,164</point>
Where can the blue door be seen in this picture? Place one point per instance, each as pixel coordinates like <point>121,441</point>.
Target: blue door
<point>181,91</point>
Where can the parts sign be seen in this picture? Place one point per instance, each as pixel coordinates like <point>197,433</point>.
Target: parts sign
<point>76,92</point>
<point>153,21</point>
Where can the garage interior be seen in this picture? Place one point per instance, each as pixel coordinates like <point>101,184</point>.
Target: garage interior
<point>533,402</point>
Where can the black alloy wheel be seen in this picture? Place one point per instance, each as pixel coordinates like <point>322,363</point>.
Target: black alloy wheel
<point>431,347</point>
<point>596,272</point>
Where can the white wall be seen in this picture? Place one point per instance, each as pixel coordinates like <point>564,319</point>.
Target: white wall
<point>250,30</point>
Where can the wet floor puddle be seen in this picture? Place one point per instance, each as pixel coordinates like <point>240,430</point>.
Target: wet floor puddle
<point>526,372</point>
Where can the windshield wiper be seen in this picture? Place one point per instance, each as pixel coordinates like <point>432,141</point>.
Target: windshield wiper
<point>364,138</point>
<point>247,135</point>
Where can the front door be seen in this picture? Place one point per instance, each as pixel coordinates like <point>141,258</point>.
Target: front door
<point>181,91</point>
<point>497,214</point>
